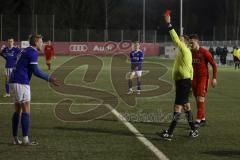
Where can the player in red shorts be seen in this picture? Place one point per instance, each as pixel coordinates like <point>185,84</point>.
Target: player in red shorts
<point>49,53</point>
<point>201,57</point>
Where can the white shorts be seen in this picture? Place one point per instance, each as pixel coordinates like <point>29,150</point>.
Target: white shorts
<point>133,74</point>
<point>136,73</point>
<point>8,71</point>
<point>20,92</point>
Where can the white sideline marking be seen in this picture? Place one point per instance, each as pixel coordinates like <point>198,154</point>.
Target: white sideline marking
<point>160,155</point>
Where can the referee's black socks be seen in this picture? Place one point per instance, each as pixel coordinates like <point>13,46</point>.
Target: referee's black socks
<point>176,116</point>
<point>189,117</point>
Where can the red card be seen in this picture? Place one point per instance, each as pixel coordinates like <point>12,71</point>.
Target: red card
<point>168,12</point>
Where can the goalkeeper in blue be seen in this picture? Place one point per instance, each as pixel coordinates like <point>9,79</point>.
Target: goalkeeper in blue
<point>26,65</point>
<point>136,57</point>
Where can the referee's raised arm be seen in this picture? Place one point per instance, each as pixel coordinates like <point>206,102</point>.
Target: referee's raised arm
<point>180,43</point>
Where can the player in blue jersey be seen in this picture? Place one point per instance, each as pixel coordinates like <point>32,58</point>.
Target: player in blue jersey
<point>26,65</point>
<point>9,53</point>
<point>137,57</point>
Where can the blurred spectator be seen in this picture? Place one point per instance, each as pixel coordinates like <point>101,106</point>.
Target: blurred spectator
<point>218,51</point>
<point>211,50</point>
<point>223,55</point>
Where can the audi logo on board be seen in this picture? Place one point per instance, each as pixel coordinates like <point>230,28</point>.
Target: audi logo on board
<point>78,48</point>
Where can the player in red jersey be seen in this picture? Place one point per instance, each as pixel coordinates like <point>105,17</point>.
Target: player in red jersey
<point>201,57</point>
<point>49,53</point>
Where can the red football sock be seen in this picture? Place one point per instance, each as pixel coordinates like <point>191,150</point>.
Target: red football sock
<point>49,66</point>
<point>201,110</point>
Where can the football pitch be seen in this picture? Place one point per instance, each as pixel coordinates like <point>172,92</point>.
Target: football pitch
<point>104,136</point>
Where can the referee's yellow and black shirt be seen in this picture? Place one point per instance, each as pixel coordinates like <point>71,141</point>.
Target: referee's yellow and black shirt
<point>236,53</point>
<point>182,68</point>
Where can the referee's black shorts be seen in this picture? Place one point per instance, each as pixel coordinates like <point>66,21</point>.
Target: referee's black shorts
<point>183,88</point>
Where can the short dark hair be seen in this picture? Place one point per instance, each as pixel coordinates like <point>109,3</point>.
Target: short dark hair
<point>186,37</point>
<point>194,36</point>
<point>33,38</point>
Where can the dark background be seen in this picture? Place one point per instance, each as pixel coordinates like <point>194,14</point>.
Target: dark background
<point>210,19</point>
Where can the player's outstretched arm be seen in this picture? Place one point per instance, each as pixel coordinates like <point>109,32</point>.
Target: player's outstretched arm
<point>39,73</point>
<point>54,81</point>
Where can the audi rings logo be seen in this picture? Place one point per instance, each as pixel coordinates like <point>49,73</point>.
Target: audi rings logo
<point>78,48</point>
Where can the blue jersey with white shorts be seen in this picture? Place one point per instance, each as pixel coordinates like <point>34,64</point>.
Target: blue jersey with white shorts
<point>22,71</point>
<point>10,55</point>
<point>137,58</point>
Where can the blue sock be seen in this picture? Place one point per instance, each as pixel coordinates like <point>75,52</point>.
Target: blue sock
<point>25,120</point>
<point>15,122</point>
<point>7,87</point>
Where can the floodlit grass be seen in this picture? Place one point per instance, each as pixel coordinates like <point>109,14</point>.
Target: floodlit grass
<point>107,138</point>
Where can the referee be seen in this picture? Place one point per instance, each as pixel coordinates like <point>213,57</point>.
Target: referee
<point>182,75</point>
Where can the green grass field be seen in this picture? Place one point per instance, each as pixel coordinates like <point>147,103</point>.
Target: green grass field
<point>107,138</point>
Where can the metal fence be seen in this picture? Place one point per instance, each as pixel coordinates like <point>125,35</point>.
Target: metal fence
<point>20,26</point>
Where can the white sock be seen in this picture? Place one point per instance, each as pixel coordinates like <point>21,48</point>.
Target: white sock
<point>25,139</point>
<point>198,120</point>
